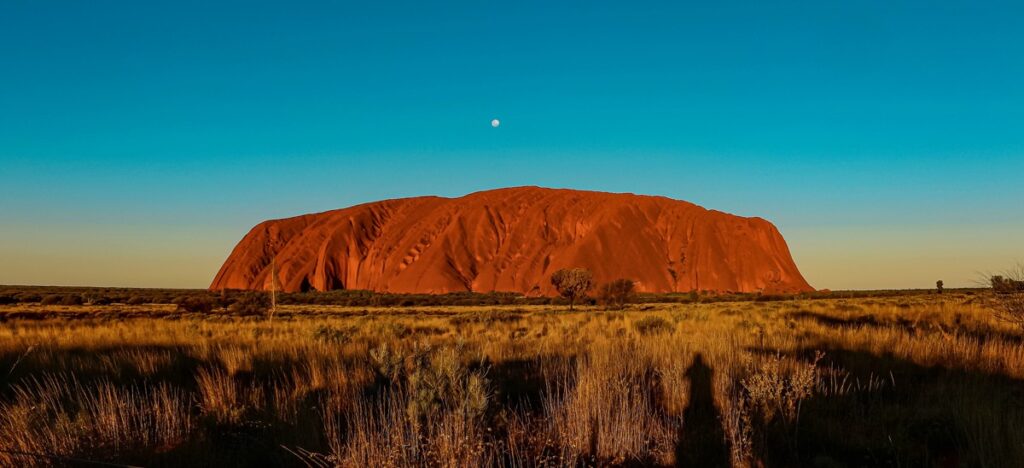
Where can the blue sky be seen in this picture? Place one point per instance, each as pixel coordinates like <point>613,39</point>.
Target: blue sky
<point>140,140</point>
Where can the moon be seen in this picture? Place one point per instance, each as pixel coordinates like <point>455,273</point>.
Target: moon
<point>495,123</point>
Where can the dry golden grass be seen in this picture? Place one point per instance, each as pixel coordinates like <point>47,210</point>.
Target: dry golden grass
<point>930,380</point>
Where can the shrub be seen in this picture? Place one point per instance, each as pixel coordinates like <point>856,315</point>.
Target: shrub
<point>1011,308</point>
<point>330,335</point>
<point>224,299</point>
<point>71,300</point>
<point>487,317</point>
<point>194,304</point>
<point>100,300</point>
<point>617,293</point>
<point>136,300</point>
<point>1011,281</point>
<point>8,300</point>
<point>773,391</point>
<point>29,297</point>
<point>1009,296</point>
<point>387,362</point>
<point>251,303</point>
<point>652,325</point>
<point>52,299</point>
<point>573,284</point>
<point>160,299</point>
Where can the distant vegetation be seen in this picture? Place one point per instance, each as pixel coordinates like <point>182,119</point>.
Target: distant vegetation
<point>54,295</point>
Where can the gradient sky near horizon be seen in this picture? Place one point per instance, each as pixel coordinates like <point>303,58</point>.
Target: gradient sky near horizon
<point>139,141</point>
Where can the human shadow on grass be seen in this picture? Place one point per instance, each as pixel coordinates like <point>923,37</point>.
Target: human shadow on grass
<point>701,442</point>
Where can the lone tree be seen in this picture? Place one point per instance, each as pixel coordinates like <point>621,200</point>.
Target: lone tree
<point>616,293</point>
<point>938,286</point>
<point>573,284</point>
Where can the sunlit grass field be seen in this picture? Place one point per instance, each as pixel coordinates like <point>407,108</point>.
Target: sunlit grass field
<point>922,380</point>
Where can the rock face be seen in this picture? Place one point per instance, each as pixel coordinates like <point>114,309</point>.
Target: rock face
<point>513,240</point>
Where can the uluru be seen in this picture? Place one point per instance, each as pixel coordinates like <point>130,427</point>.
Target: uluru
<point>512,240</point>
